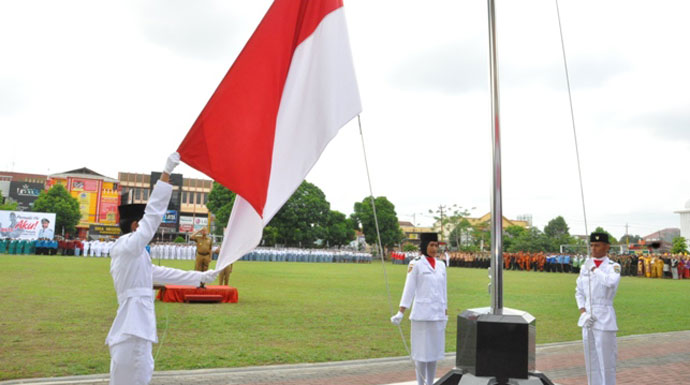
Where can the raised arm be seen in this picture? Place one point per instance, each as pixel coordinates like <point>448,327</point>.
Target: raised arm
<point>155,209</point>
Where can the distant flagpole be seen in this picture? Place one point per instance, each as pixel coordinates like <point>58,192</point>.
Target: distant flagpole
<point>496,197</point>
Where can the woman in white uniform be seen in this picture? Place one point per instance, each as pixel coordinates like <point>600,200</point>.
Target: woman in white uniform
<point>425,289</point>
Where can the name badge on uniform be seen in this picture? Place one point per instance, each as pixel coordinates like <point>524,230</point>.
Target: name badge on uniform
<point>426,272</point>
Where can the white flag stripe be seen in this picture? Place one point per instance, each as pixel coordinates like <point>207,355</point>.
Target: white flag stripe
<point>320,96</point>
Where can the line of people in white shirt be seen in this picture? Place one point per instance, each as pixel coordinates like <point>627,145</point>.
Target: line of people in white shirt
<point>306,255</point>
<point>172,250</point>
<point>97,248</point>
<point>187,251</point>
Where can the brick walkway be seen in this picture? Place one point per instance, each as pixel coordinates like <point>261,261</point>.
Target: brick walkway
<point>652,359</point>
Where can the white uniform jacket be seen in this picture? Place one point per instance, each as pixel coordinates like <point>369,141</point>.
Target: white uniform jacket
<point>134,274</point>
<point>427,287</point>
<point>604,283</point>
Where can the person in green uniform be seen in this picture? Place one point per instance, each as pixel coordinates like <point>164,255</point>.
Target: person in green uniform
<point>204,245</point>
<point>13,246</point>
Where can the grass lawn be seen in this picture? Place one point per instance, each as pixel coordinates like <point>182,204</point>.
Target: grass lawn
<point>56,311</point>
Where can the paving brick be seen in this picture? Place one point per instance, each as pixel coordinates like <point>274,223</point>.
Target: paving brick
<point>652,359</point>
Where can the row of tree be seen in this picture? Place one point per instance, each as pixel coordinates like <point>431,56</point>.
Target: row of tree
<point>306,220</point>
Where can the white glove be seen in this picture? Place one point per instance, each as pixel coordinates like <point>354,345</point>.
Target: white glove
<point>589,264</point>
<point>395,320</point>
<point>586,320</point>
<point>209,276</point>
<point>171,163</point>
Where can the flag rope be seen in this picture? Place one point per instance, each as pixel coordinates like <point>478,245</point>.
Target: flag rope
<point>379,246</point>
<point>579,170</point>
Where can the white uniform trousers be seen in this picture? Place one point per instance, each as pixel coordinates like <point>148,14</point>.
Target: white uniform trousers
<point>131,362</point>
<point>601,353</point>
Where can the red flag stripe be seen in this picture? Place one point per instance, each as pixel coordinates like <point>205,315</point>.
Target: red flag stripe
<point>232,139</point>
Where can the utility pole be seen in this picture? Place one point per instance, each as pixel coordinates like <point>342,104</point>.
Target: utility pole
<point>440,209</point>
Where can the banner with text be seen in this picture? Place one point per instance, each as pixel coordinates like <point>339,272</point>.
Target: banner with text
<point>26,225</point>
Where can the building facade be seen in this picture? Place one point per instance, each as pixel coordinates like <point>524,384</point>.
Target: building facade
<point>187,210</point>
<point>98,197</point>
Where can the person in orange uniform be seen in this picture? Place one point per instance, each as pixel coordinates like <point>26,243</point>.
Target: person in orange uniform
<point>659,267</point>
<point>647,266</point>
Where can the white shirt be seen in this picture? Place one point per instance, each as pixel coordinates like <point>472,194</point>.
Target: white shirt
<point>45,233</point>
<point>604,284</point>
<point>134,274</point>
<point>427,287</point>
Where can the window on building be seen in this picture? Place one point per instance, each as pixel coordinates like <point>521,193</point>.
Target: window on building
<point>205,198</point>
<point>185,197</point>
<point>137,194</point>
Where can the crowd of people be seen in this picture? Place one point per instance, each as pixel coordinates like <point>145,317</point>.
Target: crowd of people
<point>674,266</point>
<point>58,246</point>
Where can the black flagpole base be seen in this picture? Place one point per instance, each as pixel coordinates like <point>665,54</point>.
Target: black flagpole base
<point>460,377</point>
<point>495,350</point>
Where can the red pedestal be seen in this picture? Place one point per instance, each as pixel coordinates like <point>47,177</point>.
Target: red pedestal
<point>177,293</point>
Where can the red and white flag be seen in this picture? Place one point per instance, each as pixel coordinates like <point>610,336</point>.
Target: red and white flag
<point>286,96</point>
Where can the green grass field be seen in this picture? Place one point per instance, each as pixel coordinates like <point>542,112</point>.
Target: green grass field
<point>56,311</point>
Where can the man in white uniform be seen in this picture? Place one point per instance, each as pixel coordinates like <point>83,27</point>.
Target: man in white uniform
<point>595,291</point>
<point>134,328</point>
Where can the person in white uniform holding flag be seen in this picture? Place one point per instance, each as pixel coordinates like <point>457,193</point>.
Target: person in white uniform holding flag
<point>134,329</point>
<point>596,288</point>
<point>426,285</point>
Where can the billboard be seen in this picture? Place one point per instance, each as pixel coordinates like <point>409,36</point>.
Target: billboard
<point>96,231</point>
<point>26,225</point>
<point>192,224</point>
<point>170,221</point>
<point>186,224</point>
<point>25,193</point>
<point>86,192</point>
<point>170,216</point>
<point>200,223</point>
<point>108,207</point>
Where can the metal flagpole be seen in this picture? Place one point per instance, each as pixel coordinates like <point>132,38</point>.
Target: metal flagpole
<point>494,347</point>
<point>496,197</point>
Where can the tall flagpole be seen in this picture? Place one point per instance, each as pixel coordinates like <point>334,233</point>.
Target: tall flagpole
<point>496,197</point>
<point>495,347</point>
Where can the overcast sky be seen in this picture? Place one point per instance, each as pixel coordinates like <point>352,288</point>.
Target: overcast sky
<point>115,86</point>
